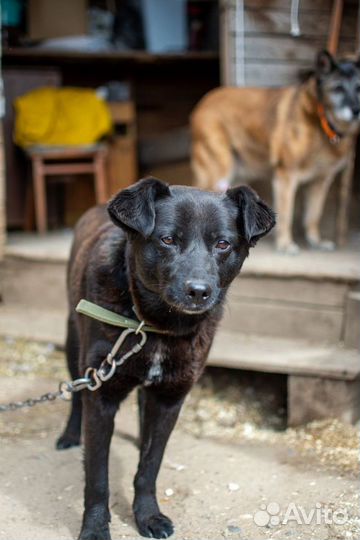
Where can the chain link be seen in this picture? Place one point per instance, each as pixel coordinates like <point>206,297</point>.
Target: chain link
<point>14,405</point>
<point>92,379</point>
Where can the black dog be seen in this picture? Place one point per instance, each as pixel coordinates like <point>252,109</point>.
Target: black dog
<point>173,258</point>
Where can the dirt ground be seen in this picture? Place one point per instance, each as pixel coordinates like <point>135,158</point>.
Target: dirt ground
<point>231,469</point>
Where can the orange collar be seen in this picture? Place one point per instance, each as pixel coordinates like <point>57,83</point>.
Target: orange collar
<point>329,131</point>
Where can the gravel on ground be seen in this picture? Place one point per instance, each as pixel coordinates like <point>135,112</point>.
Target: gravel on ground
<point>232,468</point>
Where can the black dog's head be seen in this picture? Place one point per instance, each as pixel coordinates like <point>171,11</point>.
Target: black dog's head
<point>339,88</point>
<point>189,244</point>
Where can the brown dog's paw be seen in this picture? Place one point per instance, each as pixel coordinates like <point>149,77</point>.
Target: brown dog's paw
<point>322,245</point>
<point>156,526</point>
<point>95,534</point>
<point>288,248</point>
<point>66,441</point>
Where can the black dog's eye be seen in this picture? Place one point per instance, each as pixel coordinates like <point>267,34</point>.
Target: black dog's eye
<point>223,245</point>
<point>338,89</point>
<point>168,240</point>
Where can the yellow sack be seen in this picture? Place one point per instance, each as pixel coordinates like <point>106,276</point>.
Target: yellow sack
<point>60,116</point>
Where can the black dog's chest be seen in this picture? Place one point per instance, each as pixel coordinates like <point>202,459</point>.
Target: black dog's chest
<point>156,371</point>
<point>150,366</point>
<point>163,361</point>
<point>156,364</point>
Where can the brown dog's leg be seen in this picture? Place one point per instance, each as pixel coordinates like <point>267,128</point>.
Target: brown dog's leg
<point>212,161</point>
<point>98,429</point>
<point>159,416</point>
<point>315,197</point>
<point>284,189</point>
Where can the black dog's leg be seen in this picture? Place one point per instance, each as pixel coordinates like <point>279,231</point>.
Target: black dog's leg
<point>98,429</point>
<point>158,420</point>
<point>141,407</point>
<point>72,432</point>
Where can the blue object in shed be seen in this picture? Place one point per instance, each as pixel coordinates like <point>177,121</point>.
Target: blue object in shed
<point>165,25</point>
<point>11,12</point>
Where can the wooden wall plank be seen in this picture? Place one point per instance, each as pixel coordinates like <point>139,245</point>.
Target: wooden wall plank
<point>283,48</point>
<point>287,48</point>
<point>305,5</point>
<point>270,21</point>
<point>272,75</point>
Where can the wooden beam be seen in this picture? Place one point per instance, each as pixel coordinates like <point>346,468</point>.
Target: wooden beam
<point>2,195</point>
<point>225,49</point>
<point>357,43</point>
<point>335,26</point>
<point>342,218</point>
<point>315,398</point>
<point>352,321</point>
<point>69,168</point>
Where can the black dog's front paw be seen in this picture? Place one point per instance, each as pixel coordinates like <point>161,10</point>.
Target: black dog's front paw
<point>66,441</point>
<point>155,526</point>
<point>102,533</point>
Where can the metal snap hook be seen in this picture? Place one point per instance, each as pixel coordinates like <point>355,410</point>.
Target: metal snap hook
<point>95,382</point>
<point>120,340</point>
<point>135,349</point>
<point>138,346</point>
<point>104,372</point>
<point>138,330</point>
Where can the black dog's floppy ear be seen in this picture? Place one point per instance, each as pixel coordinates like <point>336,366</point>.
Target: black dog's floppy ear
<point>255,218</point>
<point>325,63</point>
<point>133,208</point>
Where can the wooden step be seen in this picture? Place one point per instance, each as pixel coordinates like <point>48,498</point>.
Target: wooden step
<point>339,266</point>
<point>322,382</point>
<point>53,246</point>
<point>31,284</point>
<point>295,307</point>
<point>280,355</point>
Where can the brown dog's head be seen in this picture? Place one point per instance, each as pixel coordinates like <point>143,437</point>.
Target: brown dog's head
<point>188,245</point>
<point>338,85</point>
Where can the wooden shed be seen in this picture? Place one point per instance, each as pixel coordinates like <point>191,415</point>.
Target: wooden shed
<point>270,42</point>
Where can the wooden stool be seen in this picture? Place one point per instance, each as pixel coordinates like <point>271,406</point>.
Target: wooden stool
<point>58,160</point>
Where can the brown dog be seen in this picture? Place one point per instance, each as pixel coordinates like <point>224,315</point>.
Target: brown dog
<point>293,135</point>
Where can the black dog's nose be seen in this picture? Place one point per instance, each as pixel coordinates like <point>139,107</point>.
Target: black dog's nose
<point>356,111</point>
<point>198,291</point>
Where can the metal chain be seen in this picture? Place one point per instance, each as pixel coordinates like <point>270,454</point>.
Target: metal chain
<point>92,379</point>
<point>14,405</point>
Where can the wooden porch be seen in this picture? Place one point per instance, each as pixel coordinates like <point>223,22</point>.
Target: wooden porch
<point>292,315</point>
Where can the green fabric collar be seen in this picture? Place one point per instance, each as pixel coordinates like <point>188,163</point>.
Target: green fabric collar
<point>109,317</point>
